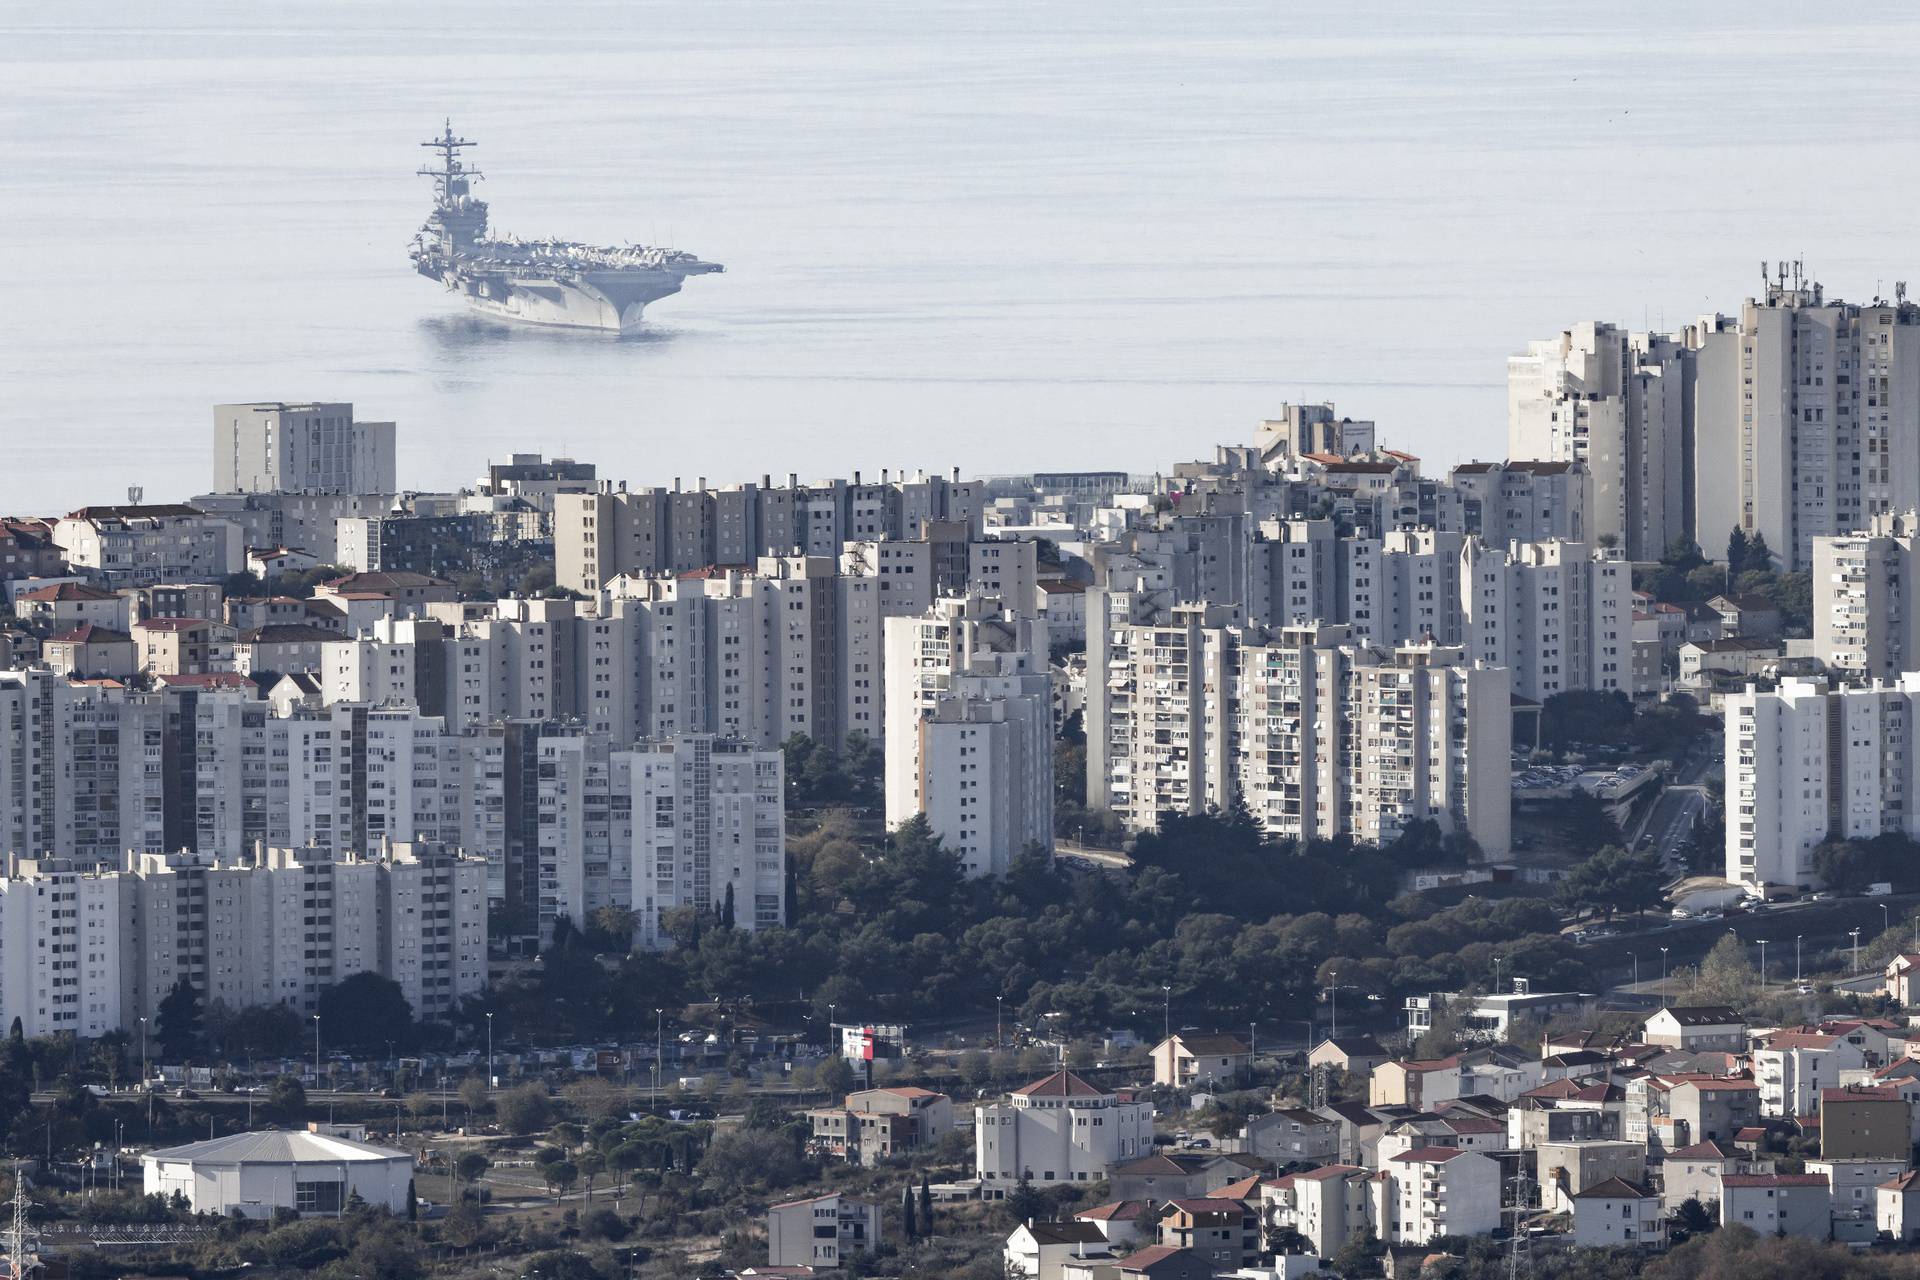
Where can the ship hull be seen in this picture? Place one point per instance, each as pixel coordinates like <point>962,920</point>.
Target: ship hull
<point>612,302</point>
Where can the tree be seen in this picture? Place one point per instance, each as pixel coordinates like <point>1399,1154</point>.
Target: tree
<point>471,1165</point>
<point>614,926</point>
<point>526,1109</point>
<point>835,1075</point>
<point>597,1098</point>
<point>288,1097</point>
<point>1758,555</point>
<point>976,1068</point>
<point>366,1011</point>
<point>926,1205</point>
<point>726,908</point>
<point>1615,880</point>
<point>1738,549</point>
<point>591,1165</point>
<point>179,1015</point>
<point>474,1094</point>
<point>907,1231</point>
<point>566,1135</point>
<point>1359,1256</point>
<point>738,1159</point>
<point>1727,975</point>
<point>560,1177</point>
<point>1689,1219</point>
<point>1023,1202</point>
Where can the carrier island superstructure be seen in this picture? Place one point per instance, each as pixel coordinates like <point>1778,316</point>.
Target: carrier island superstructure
<point>550,282</point>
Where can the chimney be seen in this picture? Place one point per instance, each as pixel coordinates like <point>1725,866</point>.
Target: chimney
<point>856,477</point>
<point>793,479</point>
<point>883,475</point>
<point>956,475</point>
<point>766,481</point>
<point>676,484</point>
<point>702,486</point>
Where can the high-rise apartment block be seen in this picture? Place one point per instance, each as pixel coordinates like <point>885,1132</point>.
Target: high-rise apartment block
<point>969,735</point>
<point>1614,402</point>
<point>602,535</point>
<point>273,447</point>
<point>1866,622</point>
<point>1796,419</point>
<point>1318,735</point>
<point>91,951</point>
<point>1808,763</point>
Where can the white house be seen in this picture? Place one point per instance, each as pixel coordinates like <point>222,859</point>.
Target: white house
<point>1778,1204</point>
<point>1435,1192</point>
<point>1618,1214</point>
<point>258,1173</point>
<point>820,1232</point>
<point>1795,1064</point>
<point>1185,1060</point>
<point>1897,1207</point>
<point>1060,1129</point>
<point>1697,1029</point>
<point>1036,1250</point>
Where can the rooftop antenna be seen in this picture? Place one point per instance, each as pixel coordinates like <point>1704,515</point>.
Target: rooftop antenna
<point>135,493</point>
<point>1899,291</point>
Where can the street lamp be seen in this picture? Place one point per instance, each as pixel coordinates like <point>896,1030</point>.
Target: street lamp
<point>998,1002</point>
<point>1855,965</point>
<point>1333,993</point>
<point>490,1051</point>
<point>1763,962</point>
<point>316,1051</point>
<point>143,1054</point>
<point>1663,977</point>
<point>659,1052</point>
<point>1635,957</point>
<point>1166,1012</point>
<point>1796,959</point>
<point>1886,919</point>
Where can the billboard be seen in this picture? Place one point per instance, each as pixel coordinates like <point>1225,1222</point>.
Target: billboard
<point>871,1041</point>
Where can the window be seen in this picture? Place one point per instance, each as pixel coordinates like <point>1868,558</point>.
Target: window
<point>318,1197</point>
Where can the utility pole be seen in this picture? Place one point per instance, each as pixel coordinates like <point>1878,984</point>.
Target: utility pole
<point>1855,935</point>
<point>21,1241</point>
<point>1663,977</point>
<point>1763,962</point>
<point>1796,958</point>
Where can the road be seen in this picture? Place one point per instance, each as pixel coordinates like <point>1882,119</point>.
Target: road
<point>1671,821</point>
<point>1815,927</point>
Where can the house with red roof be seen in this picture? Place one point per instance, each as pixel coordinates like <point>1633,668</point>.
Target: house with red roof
<point>1058,1129</point>
<point>1618,1214</point>
<point>1694,1173</point>
<point>1125,1224</point>
<point>66,605</point>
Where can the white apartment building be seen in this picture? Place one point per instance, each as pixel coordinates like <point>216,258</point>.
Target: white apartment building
<point>1321,737</point>
<point>1794,1065</point>
<point>984,774</point>
<point>708,818</point>
<point>1865,620</point>
<point>679,822</point>
<point>300,448</point>
<point>1807,763</point>
<point>1614,402</point>
<point>139,546</point>
<point>1523,500</point>
<point>1430,1192</point>
<point>1059,1129</point>
<point>62,946</point>
<point>94,951</point>
<point>80,769</point>
<point>1807,417</point>
<point>1558,614</point>
<point>969,733</point>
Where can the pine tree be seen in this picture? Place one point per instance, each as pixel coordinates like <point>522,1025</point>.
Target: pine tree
<point>906,1212</point>
<point>1737,552</point>
<point>926,1206</point>
<point>1759,555</point>
<point>726,909</point>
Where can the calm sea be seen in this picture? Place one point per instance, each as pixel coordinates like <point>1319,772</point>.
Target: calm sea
<point>997,236</point>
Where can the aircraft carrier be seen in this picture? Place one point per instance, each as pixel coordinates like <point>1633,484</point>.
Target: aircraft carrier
<point>550,282</point>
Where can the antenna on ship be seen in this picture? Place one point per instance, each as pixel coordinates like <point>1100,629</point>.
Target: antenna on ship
<point>450,179</point>
<point>21,1242</point>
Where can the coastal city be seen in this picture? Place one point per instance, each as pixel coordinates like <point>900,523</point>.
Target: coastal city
<point>1294,861</point>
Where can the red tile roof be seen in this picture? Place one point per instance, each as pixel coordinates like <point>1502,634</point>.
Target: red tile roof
<point>1773,1180</point>
<point>1429,1155</point>
<point>1061,1084</point>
